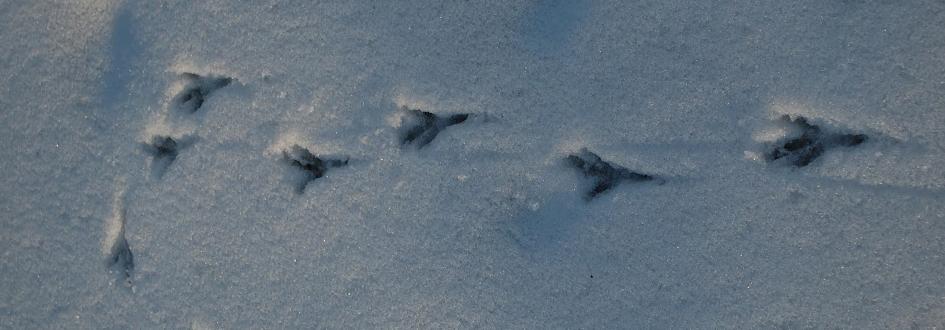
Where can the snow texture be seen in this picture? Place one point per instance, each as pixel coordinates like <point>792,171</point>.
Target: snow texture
<point>151,180</point>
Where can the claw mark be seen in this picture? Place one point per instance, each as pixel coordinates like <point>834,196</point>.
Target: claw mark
<point>314,167</point>
<point>802,150</point>
<point>419,128</point>
<point>198,88</point>
<point>164,150</point>
<point>120,259</point>
<point>605,175</point>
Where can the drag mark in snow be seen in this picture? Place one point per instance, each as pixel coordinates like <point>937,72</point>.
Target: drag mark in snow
<point>419,128</point>
<point>800,150</point>
<point>311,166</point>
<point>605,175</point>
<point>197,90</point>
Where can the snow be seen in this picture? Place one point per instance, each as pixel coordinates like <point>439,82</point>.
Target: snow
<point>487,226</point>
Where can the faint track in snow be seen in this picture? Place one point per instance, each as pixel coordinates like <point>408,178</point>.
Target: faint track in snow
<point>197,89</point>
<point>119,258</point>
<point>164,150</point>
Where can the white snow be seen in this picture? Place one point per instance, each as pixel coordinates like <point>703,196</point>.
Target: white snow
<point>487,226</point>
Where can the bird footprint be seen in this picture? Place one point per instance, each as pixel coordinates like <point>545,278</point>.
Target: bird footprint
<point>311,166</point>
<point>419,128</point>
<point>604,175</point>
<point>811,142</point>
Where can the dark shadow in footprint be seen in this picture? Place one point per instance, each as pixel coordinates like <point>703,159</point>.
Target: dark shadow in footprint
<point>604,174</point>
<point>120,259</point>
<point>164,150</point>
<point>419,128</point>
<point>197,89</point>
<point>811,142</point>
<point>311,166</point>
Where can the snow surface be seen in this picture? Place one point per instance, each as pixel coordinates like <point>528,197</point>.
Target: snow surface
<point>486,226</point>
